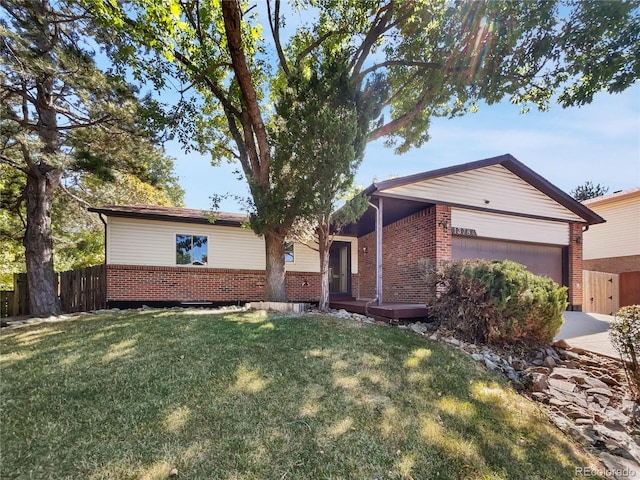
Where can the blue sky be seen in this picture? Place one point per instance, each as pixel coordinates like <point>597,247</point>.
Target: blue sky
<point>599,142</point>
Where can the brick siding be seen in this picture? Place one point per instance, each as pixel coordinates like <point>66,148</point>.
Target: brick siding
<point>423,236</point>
<point>630,263</point>
<point>133,283</point>
<point>405,243</point>
<point>575,266</point>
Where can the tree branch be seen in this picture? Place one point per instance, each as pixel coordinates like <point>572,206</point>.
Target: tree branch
<point>317,43</point>
<point>378,27</point>
<point>274,24</point>
<point>398,123</point>
<point>232,24</point>
<point>74,197</point>
<point>395,63</point>
<point>13,164</point>
<point>202,76</point>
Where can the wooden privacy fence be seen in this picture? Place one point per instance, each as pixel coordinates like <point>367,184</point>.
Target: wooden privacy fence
<point>600,292</point>
<point>16,301</point>
<point>78,290</point>
<point>82,290</point>
<point>629,288</point>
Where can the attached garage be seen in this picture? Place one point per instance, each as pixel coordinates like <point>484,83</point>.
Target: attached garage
<point>534,242</point>
<point>539,259</point>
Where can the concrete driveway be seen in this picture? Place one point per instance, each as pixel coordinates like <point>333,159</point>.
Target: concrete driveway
<point>589,331</point>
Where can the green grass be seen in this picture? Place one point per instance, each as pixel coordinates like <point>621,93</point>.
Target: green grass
<point>249,396</point>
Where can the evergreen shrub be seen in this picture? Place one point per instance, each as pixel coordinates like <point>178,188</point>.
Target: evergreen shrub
<point>496,301</point>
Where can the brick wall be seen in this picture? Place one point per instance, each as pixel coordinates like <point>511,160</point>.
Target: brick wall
<point>575,267</point>
<point>133,283</point>
<point>367,266</point>
<point>630,263</point>
<point>405,243</point>
<point>423,236</point>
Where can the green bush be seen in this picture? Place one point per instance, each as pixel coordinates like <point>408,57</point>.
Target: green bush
<point>496,301</point>
<point>624,332</point>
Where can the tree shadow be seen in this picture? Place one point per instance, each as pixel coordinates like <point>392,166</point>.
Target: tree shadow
<point>250,396</point>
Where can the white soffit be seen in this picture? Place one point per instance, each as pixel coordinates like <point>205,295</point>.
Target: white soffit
<point>493,188</point>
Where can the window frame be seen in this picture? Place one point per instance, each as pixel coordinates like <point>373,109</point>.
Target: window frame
<point>293,253</point>
<point>191,251</point>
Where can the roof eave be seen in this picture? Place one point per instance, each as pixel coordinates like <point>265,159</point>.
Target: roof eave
<point>510,163</point>
<point>165,218</point>
<point>539,182</point>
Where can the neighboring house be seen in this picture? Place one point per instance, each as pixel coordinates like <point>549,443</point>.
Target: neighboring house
<point>614,248</point>
<point>495,208</point>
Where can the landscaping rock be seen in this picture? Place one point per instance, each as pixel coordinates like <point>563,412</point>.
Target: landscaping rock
<point>539,382</point>
<point>620,467</point>
<point>418,327</point>
<point>518,364</point>
<point>489,364</point>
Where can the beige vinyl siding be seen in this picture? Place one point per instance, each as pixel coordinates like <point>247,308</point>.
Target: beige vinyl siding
<point>152,242</point>
<point>620,235</point>
<point>508,227</point>
<point>492,187</point>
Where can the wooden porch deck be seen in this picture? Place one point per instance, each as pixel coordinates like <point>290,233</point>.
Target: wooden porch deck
<point>387,311</point>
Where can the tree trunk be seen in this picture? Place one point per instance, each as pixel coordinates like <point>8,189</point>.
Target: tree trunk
<point>276,287</point>
<point>324,244</point>
<point>43,286</point>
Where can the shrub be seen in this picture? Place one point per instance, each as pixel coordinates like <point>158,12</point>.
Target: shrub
<point>624,332</point>
<point>490,301</point>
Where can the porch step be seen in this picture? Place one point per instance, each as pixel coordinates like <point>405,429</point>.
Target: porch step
<point>393,311</point>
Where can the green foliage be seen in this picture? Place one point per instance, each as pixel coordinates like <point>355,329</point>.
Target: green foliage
<point>496,301</point>
<point>624,332</point>
<point>100,144</point>
<point>588,190</point>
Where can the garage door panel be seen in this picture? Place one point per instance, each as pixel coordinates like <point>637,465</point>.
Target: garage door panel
<point>539,259</point>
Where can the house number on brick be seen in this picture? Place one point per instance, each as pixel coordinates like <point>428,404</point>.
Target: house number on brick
<point>465,232</point>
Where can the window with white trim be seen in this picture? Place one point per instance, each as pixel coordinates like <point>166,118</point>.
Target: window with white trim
<point>191,249</point>
<point>289,256</point>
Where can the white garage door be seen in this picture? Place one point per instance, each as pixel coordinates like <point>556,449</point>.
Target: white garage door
<point>539,259</point>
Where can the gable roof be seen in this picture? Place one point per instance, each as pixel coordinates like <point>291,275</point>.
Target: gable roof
<point>613,197</point>
<point>172,214</point>
<point>509,163</point>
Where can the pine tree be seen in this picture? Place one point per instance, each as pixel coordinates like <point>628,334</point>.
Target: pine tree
<point>60,115</point>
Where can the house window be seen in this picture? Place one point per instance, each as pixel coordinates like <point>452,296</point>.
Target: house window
<point>191,250</point>
<point>288,252</point>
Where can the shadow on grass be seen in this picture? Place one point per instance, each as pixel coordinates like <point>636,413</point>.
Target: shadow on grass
<point>243,395</point>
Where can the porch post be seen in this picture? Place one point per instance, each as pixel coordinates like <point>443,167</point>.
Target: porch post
<point>379,226</point>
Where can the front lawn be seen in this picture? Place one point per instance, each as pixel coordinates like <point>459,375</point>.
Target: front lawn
<point>250,396</point>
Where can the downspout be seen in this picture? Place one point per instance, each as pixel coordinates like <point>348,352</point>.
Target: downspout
<point>104,222</point>
<point>378,297</point>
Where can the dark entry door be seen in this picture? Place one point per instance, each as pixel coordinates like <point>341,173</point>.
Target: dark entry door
<point>340,268</point>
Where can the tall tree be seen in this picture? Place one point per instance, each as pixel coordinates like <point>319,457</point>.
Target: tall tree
<point>420,59</point>
<point>57,110</point>
<point>588,190</point>
<point>319,137</point>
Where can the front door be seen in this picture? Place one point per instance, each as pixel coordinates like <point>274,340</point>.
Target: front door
<point>340,268</point>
